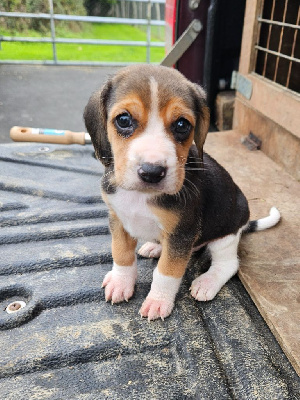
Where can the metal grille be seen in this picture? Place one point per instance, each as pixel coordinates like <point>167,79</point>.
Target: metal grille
<point>278,48</point>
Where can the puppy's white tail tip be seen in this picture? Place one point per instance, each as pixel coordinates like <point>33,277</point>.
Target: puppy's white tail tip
<point>268,222</point>
<point>263,223</point>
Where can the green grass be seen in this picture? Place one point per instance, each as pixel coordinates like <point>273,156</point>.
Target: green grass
<point>80,52</point>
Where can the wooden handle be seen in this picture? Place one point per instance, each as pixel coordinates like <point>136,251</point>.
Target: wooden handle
<point>21,134</point>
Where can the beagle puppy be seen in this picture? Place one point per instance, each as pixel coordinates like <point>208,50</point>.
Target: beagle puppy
<point>148,125</point>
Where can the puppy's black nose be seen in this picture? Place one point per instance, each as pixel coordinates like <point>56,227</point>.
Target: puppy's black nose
<point>152,173</point>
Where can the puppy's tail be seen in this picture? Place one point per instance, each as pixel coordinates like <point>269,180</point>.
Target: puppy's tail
<point>263,223</point>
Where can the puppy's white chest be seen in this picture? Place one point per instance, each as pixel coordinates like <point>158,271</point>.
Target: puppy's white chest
<point>132,209</point>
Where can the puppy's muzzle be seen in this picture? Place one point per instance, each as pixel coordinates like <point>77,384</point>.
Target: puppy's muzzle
<point>151,173</point>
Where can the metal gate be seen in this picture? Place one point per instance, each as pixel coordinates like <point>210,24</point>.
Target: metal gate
<point>148,22</point>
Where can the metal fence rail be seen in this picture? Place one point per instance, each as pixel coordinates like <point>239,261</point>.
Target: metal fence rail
<point>148,22</point>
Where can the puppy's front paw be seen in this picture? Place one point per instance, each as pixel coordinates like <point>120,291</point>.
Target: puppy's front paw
<point>150,250</point>
<point>154,309</point>
<point>160,301</point>
<point>119,283</point>
<point>205,287</point>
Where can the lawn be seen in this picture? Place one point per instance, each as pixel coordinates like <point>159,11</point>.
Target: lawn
<point>80,52</point>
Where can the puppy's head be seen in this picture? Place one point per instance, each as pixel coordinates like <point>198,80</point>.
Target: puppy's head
<point>144,120</point>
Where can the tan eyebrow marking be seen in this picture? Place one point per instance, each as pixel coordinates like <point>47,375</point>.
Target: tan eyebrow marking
<point>132,104</point>
<point>176,108</point>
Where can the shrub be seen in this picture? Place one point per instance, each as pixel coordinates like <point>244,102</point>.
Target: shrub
<point>72,7</point>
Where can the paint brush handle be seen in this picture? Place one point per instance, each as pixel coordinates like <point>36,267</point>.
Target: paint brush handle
<point>22,134</point>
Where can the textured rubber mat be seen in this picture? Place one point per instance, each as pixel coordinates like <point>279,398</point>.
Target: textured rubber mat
<point>68,343</point>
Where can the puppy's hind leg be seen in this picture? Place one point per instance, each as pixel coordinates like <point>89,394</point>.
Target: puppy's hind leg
<point>150,250</point>
<point>224,265</point>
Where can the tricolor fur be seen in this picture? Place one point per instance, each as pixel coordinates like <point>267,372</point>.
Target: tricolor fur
<point>148,125</point>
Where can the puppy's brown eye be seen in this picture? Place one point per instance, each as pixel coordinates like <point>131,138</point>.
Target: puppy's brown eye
<point>124,120</point>
<point>125,124</point>
<point>181,129</point>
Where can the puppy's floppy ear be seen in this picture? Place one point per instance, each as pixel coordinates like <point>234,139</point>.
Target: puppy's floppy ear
<point>203,118</point>
<point>95,118</point>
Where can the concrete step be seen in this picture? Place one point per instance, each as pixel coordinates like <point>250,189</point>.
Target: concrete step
<point>269,259</point>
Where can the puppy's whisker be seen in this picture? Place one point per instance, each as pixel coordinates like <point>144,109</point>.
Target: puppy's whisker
<point>197,191</point>
<point>195,162</point>
<point>187,194</point>
<point>195,169</point>
<point>183,194</point>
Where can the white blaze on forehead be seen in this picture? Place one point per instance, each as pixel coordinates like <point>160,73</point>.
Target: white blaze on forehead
<point>154,114</point>
<point>155,125</point>
<point>154,145</point>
